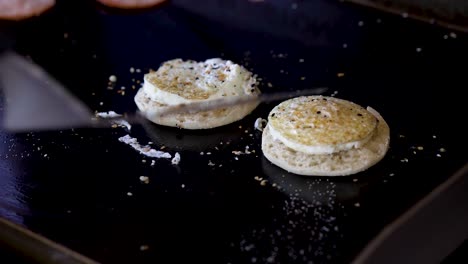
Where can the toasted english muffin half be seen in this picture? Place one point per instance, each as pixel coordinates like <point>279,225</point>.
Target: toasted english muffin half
<point>341,138</point>
<point>181,82</point>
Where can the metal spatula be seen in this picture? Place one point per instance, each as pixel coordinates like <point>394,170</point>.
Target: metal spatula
<point>35,101</point>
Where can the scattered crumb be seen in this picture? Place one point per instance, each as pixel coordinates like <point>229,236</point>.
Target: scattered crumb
<point>453,35</point>
<point>438,155</point>
<point>361,23</point>
<point>112,114</point>
<point>176,159</point>
<point>129,194</point>
<point>182,186</point>
<point>269,84</point>
<point>113,78</point>
<point>420,148</point>
<point>355,180</point>
<point>340,74</point>
<point>263,182</point>
<point>210,163</point>
<point>442,150</point>
<point>418,49</point>
<point>391,174</point>
<point>132,70</point>
<point>303,78</point>
<point>357,205</point>
<point>404,15</point>
<point>144,179</point>
<point>153,162</point>
<point>345,45</point>
<point>144,247</point>
<point>260,124</point>
<point>301,60</point>
<point>145,150</point>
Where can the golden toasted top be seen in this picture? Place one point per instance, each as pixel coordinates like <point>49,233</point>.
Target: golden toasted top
<point>321,121</point>
<point>191,80</point>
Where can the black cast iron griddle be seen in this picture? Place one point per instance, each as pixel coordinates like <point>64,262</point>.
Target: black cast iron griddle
<point>81,187</point>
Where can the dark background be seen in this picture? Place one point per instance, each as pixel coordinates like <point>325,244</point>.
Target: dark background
<point>71,186</point>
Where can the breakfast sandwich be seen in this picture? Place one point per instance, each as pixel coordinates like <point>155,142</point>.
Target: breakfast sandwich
<point>324,136</point>
<point>179,82</point>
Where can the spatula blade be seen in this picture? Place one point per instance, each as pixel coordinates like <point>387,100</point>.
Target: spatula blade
<point>35,101</point>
